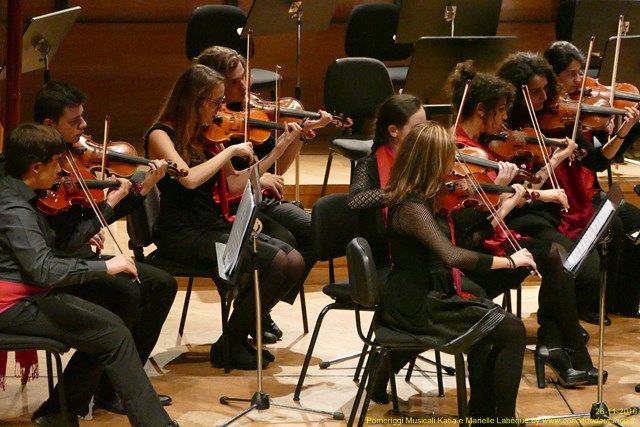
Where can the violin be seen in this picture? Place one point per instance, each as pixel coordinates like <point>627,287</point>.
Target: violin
<point>594,113</point>
<point>121,160</point>
<point>459,192</point>
<point>625,94</point>
<point>518,145</point>
<point>289,107</point>
<point>228,124</point>
<point>478,157</point>
<point>67,192</point>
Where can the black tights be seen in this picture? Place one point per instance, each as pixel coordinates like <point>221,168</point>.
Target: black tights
<point>495,369</point>
<point>283,272</point>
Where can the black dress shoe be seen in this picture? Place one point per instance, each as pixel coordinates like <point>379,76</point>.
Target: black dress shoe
<point>239,357</point>
<point>585,335</point>
<point>266,354</point>
<point>558,360</point>
<point>173,423</point>
<point>270,326</point>
<point>592,376</point>
<point>165,400</point>
<point>637,388</point>
<point>594,318</point>
<point>45,417</point>
<point>267,337</point>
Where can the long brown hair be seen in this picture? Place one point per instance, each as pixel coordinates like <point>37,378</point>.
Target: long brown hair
<point>181,110</point>
<point>424,159</point>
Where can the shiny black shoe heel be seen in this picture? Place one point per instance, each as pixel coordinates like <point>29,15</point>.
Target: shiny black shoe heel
<point>558,360</point>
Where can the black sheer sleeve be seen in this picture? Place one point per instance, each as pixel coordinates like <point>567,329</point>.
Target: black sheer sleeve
<point>416,219</point>
<point>365,191</point>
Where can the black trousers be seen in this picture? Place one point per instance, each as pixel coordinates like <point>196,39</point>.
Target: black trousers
<point>102,343</point>
<point>143,308</point>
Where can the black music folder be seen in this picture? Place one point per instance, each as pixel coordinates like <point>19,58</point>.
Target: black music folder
<point>594,231</point>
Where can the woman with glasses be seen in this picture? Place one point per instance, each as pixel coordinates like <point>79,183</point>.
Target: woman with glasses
<point>194,211</point>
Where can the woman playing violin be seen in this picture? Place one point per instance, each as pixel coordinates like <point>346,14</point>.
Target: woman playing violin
<point>191,221</point>
<point>286,221</point>
<point>423,301</point>
<point>485,111</point>
<point>623,296</point>
<point>142,308</point>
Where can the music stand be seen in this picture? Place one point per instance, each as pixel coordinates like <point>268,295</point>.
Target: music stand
<point>596,234</point>
<point>419,18</point>
<point>244,233</point>
<point>578,20</point>
<point>42,38</point>
<point>284,16</point>
<point>427,78</point>
<point>629,66</point>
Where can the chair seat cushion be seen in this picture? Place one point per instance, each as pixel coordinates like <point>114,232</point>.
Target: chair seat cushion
<point>340,292</point>
<point>352,149</point>
<point>394,338</point>
<point>398,75</point>
<point>10,342</point>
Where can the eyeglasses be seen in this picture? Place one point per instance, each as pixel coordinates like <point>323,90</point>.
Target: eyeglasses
<point>216,102</point>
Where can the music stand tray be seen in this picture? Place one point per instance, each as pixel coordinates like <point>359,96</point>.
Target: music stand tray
<point>427,77</point>
<point>272,16</point>
<point>629,67</point>
<point>419,18</point>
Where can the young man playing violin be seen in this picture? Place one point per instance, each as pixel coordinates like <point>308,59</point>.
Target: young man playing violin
<point>623,296</point>
<point>286,221</point>
<point>144,307</point>
<point>33,277</point>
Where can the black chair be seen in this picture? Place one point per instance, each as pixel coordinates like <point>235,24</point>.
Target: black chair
<point>364,285</point>
<point>217,25</point>
<point>333,225</point>
<point>370,32</point>
<point>53,348</point>
<point>354,87</point>
<point>140,225</point>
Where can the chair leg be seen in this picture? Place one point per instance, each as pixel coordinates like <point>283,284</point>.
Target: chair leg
<point>368,386</point>
<point>326,173</point>
<point>394,388</point>
<point>506,301</point>
<point>312,344</point>
<point>371,364</point>
<point>439,374</point>
<point>461,388</point>
<point>363,354</point>
<point>225,308</point>
<point>62,394</point>
<point>185,308</point>
<point>50,373</point>
<point>519,302</point>
<point>412,365</point>
<point>303,307</point>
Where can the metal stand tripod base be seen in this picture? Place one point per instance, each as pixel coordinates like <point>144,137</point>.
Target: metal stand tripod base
<point>261,401</point>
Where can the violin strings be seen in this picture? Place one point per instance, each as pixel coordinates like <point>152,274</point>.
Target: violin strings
<point>574,134</point>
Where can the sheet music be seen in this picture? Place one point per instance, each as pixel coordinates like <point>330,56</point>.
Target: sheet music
<point>239,229</point>
<point>588,239</point>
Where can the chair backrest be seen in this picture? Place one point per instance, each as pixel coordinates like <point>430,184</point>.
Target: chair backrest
<point>370,32</point>
<point>141,222</point>
<point>363,277</point>
<point>356,86</point>
<point>218,25</point>
<point>333,225</point>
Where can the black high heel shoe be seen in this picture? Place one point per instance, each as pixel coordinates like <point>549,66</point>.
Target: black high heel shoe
<point>558,360</point>
<point>582,360</point>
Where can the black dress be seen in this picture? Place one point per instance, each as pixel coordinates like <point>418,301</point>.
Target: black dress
<point>419,296</point>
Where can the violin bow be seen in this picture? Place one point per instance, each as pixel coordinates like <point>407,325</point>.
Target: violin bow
<point>614,73</point>
<point>504,229</point>
<point>247,113</point>
<point>105,141</point>
<point>277,110</point>
<point>574,134</point>
<point>536,127</point>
